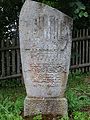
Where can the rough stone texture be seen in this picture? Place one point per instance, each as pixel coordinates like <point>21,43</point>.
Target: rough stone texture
<point>54,106</point>
<point>45,45</point>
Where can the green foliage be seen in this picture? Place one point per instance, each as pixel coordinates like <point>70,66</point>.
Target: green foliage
<point>81,116</point>
<point>10,10</point>
<point>10,110</point>
<point>11,103</point>
<point>38,117</point>
<point>76,8</point>
<point>78,92</point>
<point>65,118</point>
<point>79,9</point>
<point>73,101</point>
<point>77,115</point>
<point>52,3</point>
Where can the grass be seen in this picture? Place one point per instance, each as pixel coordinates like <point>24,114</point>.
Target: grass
<point>77,93</point>
<point>11,101</point>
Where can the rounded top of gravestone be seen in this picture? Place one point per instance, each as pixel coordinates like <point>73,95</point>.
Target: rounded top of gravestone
<point>41,6</point>
<point>43,28</point>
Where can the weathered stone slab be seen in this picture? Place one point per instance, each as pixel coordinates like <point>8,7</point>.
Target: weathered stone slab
<point>54,106</point>
<point>45,45</point>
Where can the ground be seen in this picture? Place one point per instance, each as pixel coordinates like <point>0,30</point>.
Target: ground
<point>12,97</point>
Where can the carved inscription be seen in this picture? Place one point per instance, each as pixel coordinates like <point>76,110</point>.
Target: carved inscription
<point>45,43</point>
<point>48,32</point>
<point>46,73</point>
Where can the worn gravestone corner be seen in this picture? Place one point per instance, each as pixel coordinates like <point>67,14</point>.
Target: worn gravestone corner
<point>45,46</point>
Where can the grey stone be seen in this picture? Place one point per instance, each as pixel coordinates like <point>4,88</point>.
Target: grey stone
<point>45,45</point>
<point>55,106</point>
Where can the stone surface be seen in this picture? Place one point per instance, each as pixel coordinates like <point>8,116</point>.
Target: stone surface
<point>54,106</point>
<point>45,45</point>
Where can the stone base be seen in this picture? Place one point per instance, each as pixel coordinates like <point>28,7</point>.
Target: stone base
<point>54,106</point>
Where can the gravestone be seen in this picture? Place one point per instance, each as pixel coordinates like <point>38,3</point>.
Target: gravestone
<point>45,45</point>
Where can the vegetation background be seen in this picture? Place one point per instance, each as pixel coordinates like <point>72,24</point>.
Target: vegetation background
<point>79,10</point>
<point>12,94</point>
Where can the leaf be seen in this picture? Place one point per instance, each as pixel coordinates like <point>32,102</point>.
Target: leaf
<point>85,14</point>
<point>80,5</point>
<point>81,14</point>
<point>76,11</point>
